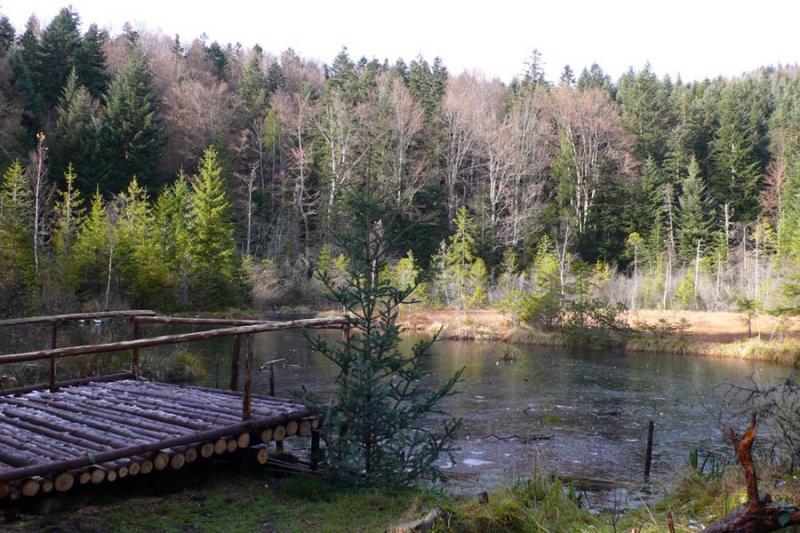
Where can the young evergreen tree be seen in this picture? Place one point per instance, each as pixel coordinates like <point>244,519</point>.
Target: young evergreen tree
<point>378,426</point>
<point>130,134</point>
<point>69,213</point>
<point>693,214</point>
<point>17,273</point>
<point>23,61</point>
<point>173,219</point>
<point>217,271</point>
<point>89,269</point>
<point>141,267</point>
<point>463,276</point>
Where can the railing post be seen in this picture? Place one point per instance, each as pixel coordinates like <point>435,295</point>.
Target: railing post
<point>53,344</point>
<point>272,379</point>
<point>235,362</point>
<point>135,356</point>
<point>248,377</point>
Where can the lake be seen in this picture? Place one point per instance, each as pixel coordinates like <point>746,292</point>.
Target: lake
<point>594,404</point>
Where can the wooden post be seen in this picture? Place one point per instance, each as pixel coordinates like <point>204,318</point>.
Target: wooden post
<point>248,378</point>
<point>648,458</point>
<point>135,351</point>
<point>53,343</point>
<point>235,362</point>
<point>315,451</point>
<point>272,379</point>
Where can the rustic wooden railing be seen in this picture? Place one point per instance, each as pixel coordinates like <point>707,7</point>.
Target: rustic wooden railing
<point>239,328</point>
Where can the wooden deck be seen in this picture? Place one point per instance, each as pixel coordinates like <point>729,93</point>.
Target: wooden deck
<point>106,430</point>
<point>58,435</point>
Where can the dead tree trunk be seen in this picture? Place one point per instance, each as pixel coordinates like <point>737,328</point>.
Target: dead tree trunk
<point>759,514</point>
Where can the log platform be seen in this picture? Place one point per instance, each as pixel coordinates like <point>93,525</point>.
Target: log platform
<point>100,429</point>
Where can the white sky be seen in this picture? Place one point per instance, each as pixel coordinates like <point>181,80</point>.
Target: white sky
<point>696,38</point>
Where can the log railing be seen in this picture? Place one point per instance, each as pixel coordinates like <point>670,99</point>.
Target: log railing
<point>55,320</point>
<point>240,328</point>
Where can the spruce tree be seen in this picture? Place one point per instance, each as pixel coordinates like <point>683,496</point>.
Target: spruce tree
<point>69,213</point>
<point>736,153</point>
<point>694,222</point>
<point>60,44</point>
<point>142,271</point>
<point>76,133</point>
<point>90,62</point>
<point>217,273</point>
<point>173,219</point>
<point>130,133</point>
<point>252,90</point>
<point>7,34</point>
<point>23,61</point>
<point>88,271</point>
<point>17,272</point>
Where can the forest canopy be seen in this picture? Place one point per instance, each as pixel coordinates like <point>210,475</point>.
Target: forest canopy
<point>139,169</point>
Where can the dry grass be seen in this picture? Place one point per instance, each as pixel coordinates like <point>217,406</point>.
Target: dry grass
<point>719,326</point>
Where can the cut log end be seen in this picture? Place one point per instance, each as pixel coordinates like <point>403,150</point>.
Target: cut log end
<point>291,428</point>
<point>266,436</point>
<point>177,461</point>
<point>279,433</point>
<point>220,446</point>
<point>64,482</point>
<point>305,428</point>
<point>232,446</point>
<point>243,441</point>
<point>191,455</point>
<point>84,477</point>
<point>161,461</point>
<point>206,450</point>
<point>134,468</point>
<point>262,455</point>
<point>111,476</point>
<point>147,467</point>
<point>30,488</point>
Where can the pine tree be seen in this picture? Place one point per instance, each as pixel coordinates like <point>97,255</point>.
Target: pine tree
<point>130,134</point>
<point>567,77</point>
<point>463,275</point>
<point>217,274</point>
<point>219,61</point>
<point>76,132</point>
<point>694,222</point>
<point>60,45</point>
<point>90,62</point>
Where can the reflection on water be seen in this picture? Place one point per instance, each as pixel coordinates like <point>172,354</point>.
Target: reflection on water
<point>595,405</point>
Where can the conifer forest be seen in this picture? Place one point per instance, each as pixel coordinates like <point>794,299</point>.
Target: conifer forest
<point>140,169</point>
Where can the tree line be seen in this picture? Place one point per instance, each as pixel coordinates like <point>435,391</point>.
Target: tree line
<point>675,193</point>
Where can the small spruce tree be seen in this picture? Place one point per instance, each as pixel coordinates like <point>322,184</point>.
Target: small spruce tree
<point>378,427</point>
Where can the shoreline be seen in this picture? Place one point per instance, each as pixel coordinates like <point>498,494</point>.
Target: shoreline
<point>721,335</point>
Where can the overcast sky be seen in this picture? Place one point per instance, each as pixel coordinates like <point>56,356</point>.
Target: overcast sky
<point>693,38</point>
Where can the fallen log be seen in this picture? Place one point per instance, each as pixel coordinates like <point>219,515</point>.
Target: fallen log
<point>759,514</point>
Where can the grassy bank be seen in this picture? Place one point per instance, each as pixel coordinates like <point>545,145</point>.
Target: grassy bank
<point>223,500</point>
<point>714,334</point>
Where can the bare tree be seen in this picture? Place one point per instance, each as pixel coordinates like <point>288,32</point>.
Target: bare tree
<point>403,123</point>
<point>589,124</point>
<point>460,99</point>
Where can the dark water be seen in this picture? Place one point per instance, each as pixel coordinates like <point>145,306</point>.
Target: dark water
<point>594,404</point>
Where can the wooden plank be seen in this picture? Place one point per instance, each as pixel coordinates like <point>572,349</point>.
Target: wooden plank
<point>75,316</point>
<point>170,339</point>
